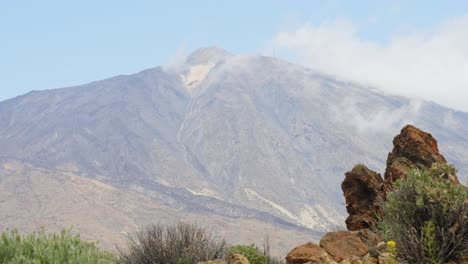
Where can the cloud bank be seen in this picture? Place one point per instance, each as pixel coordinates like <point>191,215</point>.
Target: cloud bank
<point>430,64</point>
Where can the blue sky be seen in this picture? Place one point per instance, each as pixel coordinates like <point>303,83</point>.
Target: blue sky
<point>52,44</point>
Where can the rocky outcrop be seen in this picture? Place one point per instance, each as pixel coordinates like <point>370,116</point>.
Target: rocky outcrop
<point>307,253</point>
<point>343,244</point>
<point>412,148</point>
<point>339,247</point>
<point>365,190</point>
<point>362,189</point>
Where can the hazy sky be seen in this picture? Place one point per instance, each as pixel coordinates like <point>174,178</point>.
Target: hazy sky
<point>415,48</point>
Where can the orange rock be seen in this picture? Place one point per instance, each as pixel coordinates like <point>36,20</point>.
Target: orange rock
<point>412,148</point>
<point>363,191</point>
<point>343,244</point>
<point>309,252</point>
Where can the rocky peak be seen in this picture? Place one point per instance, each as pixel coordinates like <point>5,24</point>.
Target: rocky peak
<point>412,148</point>
<point>417,146</point>
<point>365,190</point>
<point>209,55</point>
<point>199,64</point>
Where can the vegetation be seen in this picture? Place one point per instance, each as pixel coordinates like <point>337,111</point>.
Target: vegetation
<point>252,253</point>
<point>427,217</point>
<point>425,221</point>
<point>40,247</point>
<point>182,243</point>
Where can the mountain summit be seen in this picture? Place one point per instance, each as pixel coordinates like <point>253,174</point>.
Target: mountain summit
<point>207,55</point>
<point>228,140</point>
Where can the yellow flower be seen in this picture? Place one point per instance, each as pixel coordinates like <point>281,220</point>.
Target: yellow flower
<point>391,243</point>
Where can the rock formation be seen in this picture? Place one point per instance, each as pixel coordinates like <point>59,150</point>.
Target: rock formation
<point>412,148</point>
<point>309,252</point>
<point>343,244</point>
<point>362,188</point>
<point>339,247</point>
<point>365,190</point>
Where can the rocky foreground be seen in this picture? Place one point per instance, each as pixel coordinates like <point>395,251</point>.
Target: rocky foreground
<point>364,191</point>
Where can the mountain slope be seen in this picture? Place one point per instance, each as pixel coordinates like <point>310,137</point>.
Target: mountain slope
<point>52,200</point>
<point>242,137</point>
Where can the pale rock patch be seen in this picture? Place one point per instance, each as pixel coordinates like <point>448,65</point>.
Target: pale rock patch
<point>195,75</point>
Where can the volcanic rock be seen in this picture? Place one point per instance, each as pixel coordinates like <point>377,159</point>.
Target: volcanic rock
<point>307,253</point>
<point>362,189</point>
<point>412,148</point>
<point>343,244</point>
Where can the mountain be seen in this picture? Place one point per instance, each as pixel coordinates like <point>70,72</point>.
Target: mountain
<point>225,139</point>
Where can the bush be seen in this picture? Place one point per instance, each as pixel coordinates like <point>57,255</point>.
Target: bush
<point>254,255</point>
<point>250,252</point>
<point>40,247</point>
<point>182,243</point>
<point>427,216</point>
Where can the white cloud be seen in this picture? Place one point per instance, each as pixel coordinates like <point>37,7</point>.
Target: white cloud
<point>177,60</point>
<point>380,119</point>
<point>431,64</point>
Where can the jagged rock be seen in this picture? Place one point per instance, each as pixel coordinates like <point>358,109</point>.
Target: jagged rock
<point>238,259</point>
<point>308,253</point>
<point>362,189</point>
<point>343,244</point>
<point>412,148</point>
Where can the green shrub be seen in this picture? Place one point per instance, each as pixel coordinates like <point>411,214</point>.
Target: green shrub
<point>182,243</point>
<point>427,216</point>
<point>252,253</point>
<point>40,247</point>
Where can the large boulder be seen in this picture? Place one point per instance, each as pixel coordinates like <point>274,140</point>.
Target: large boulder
<point>343,245</point>
<point>363,191</point>
<point>307,253</point>
<point>412,148</point>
